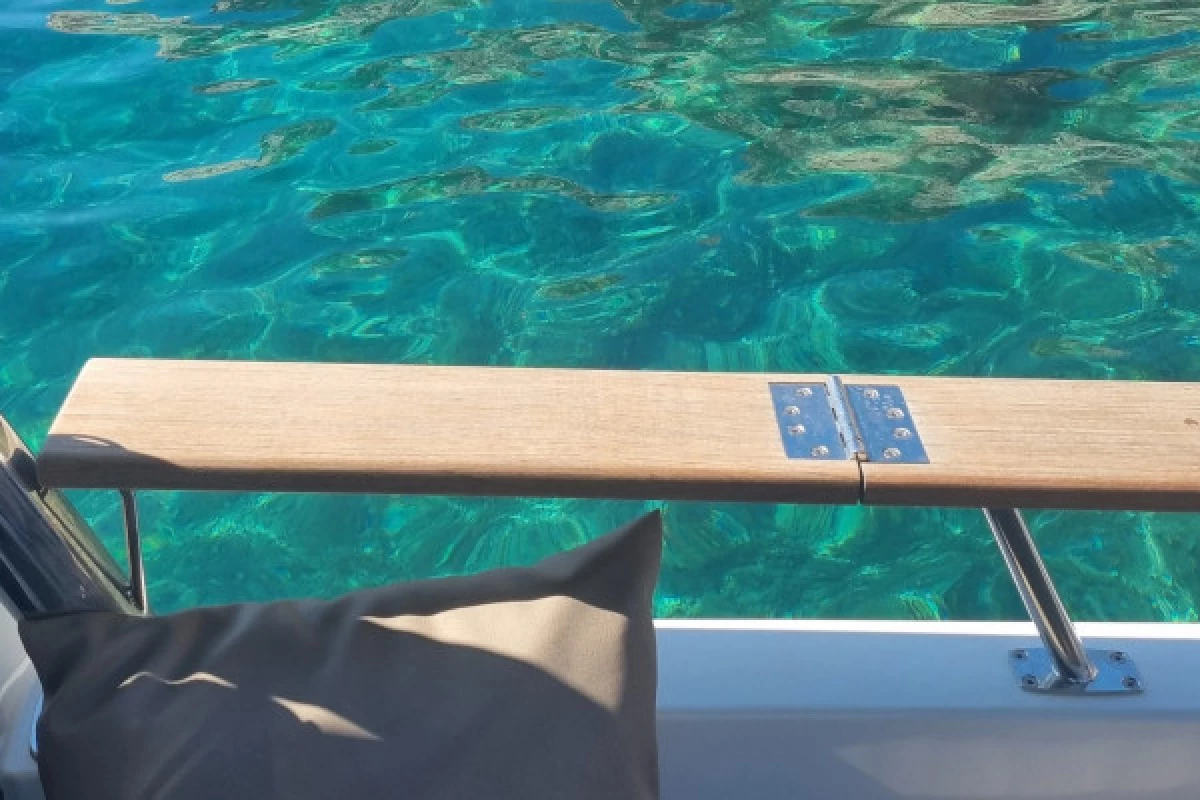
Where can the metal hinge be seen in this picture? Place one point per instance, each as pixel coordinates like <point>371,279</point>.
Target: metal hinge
<point>834,421</point>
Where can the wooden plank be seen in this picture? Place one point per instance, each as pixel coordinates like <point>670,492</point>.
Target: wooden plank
<point>1048,444</point>
<point>146,424</point>
<point>585,433</point>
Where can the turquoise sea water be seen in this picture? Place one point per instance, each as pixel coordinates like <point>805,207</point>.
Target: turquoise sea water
<point>967,188</point>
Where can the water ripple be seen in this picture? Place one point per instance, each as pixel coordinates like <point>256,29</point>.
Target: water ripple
<point>977,188</point>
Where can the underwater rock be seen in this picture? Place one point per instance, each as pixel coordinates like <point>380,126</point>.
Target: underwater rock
<point>227,87</point>
<point>274,147</point>
<point>372,75</point>
<point>828,76</point>
<point>99,22</point>
<point>974,15</point>
<point>376,258</point>
<point>577,287</point>
<point>473,181</point>
<point>371,146</point>
<point>1077,348</point>
<point>210,170</point>
<point>408,97</point>
<point>517,119</point>
<point>859,160</point>
<point>290,140</point>
<point>1136,259</point>
<point>320,25</point>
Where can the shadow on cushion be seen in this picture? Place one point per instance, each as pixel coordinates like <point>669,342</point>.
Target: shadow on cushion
<point>534,682</point>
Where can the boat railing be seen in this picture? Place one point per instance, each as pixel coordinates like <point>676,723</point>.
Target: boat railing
<point>992,443</point>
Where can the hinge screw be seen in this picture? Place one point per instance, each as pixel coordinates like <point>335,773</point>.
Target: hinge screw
<point>1117,656</point>
<point>1129,682</point>
<point>792,411</point>
<point>1029,680</point>
<point>895,413</point>
<point>820,451</point>
<point>1020,655</point>
<point>871,394</point>
<point>804,391</point>
<point>891,452</point>
<point>796,430</point>
<point>902,433</point>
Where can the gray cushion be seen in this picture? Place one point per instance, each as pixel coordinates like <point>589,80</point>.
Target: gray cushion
<point>522,683</point>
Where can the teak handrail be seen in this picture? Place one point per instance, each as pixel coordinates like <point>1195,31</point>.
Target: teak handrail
<point>256,426</point>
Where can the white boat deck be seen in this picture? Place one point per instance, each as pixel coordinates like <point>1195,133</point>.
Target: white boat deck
<point>917,710</point>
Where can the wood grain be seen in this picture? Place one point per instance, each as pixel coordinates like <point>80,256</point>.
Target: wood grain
<point>145,424</point>
<point>1047,444</point>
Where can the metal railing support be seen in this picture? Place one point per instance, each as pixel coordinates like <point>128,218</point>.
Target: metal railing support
<point>1064,665</point>
<point>1038,594</point>
<point>133,545</point>
<point>50,558</point>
